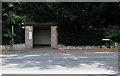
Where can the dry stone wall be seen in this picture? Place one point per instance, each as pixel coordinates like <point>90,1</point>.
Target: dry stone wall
<point>15,46</point>
<point>60,46</point>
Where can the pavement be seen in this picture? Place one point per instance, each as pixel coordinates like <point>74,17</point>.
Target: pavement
<point>60,63</point>
<point>47,49</point>
<point>41,50</point>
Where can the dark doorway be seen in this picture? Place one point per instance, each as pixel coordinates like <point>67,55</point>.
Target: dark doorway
<point>42,37</point>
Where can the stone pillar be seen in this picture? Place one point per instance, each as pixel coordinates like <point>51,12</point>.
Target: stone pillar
<point>54,40</point>
<point>28,37</point>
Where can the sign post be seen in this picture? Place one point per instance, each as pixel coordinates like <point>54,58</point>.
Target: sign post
<point>108,40</point>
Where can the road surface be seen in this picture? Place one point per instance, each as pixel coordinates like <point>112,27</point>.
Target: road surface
<point>60,63</point>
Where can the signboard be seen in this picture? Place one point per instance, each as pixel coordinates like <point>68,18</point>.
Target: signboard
<point>30,35</point>
<point>106,39</point>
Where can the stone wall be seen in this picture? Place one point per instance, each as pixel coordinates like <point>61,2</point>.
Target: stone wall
<point>28,42</point>
<point>54,40</point>
<point>15,46</point>
<point>60,46</point>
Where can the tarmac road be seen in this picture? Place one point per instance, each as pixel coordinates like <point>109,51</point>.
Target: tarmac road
<point>61,63</point>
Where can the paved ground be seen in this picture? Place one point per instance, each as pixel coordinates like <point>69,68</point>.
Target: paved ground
<point>60,63</point>
<point>32,51</point>
<point>44,50</point>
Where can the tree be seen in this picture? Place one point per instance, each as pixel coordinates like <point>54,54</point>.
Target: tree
<point>71,17</point>
<point>11,16</point>
<point>113,32</point>
<point>74,17</point>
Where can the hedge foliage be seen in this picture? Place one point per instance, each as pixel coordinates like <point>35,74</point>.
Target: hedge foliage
<point>79,37</point>
<point>78,22</point>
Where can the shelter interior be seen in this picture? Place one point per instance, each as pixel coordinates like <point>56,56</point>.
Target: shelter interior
<point>41,36</point>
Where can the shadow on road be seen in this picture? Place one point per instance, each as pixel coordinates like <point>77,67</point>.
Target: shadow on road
<point>79,61</point>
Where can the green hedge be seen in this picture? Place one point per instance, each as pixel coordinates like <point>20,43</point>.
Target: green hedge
<point>77,37</point>
<point>20,35</point>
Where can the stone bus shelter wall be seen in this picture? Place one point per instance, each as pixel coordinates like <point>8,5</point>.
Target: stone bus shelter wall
<point>29,42</point>
<point>54,40</point>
